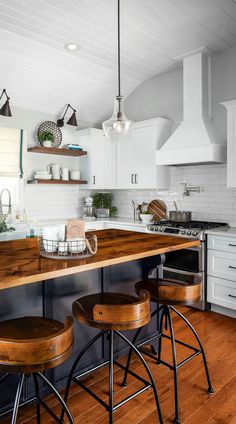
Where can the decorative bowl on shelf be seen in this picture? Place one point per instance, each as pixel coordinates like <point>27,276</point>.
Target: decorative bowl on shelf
<point>146,218</point>
<point>49,131</point>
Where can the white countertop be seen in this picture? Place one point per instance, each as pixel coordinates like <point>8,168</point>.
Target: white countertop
<point>89,222</point>
<point>230,232</point>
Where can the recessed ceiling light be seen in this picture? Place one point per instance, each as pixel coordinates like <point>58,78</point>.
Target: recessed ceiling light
<point>72,47</point>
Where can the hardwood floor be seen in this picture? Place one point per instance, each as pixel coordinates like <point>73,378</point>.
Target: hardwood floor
<point>218,334</point>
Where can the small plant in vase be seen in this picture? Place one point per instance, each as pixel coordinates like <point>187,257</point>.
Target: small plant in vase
<point>46,138</point>
<point>103,205</point>
<point>146,217</point>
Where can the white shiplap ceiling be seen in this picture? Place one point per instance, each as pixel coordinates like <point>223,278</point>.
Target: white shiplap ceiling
<point>40,74</point>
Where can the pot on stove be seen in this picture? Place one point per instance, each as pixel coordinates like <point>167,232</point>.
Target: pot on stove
<point>180,216</point>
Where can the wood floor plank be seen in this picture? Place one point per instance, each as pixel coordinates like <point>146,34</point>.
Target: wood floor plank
<point>219,410</point>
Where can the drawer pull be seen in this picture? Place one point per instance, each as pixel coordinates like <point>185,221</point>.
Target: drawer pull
<point>231,295</point>
<point>232,245</point>
<point>232,267</point>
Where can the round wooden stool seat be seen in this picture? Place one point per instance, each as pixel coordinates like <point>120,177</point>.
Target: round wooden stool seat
<point>113,311</point>
<point>172,292</point>
<point>32,344</point>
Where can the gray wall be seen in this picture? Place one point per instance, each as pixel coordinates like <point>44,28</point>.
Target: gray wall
<point>162,95</point>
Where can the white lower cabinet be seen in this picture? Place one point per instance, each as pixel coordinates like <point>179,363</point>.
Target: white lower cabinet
<point>221,292</point>
<point>221,271</point>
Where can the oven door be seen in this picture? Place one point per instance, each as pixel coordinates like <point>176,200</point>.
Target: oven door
<point>188,260</point>
<point>180,264</point>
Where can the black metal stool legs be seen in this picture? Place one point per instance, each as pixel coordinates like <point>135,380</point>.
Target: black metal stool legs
<point>75,365</point>
<point>153,385</point>
<point>36,386</point>
<point>166,315</point>
<point>111,371</point>
<point>175,366</point>
<point>17,399</point>
<point>124,382</point>
<point>110,407</point>
<point>210,389</point>
<point>160,337</point>
<point>59,398</point>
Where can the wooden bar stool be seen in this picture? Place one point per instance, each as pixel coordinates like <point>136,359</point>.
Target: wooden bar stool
<point>168,293</point>
<point>30,345</point>
<point>112,313</point>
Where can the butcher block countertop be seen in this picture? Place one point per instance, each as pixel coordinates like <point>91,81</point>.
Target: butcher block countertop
<point>20,262</point>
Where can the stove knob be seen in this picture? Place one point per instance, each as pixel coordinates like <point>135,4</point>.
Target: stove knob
<point>194,233</point>
<point>157,229</point>
<point>189,233</point>
<point>183,232</point>
<point>151,228</point>
<point>161,229</point>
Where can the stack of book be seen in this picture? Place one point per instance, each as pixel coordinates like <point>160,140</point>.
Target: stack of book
<point>72,146</point>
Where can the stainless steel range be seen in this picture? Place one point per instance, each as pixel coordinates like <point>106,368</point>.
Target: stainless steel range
<point>182,263</point>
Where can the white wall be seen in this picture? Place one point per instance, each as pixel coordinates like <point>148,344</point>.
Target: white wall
<point>162,96</point>
<point>46,201</point>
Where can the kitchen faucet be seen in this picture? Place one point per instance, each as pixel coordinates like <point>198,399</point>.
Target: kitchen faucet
<point>9,202</point>
<point>187,189</point>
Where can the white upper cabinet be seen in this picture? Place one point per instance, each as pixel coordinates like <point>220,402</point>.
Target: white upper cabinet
<point>136,157</point>
<point>99,166</point>
<point>130,164</point>
<point>231,142</point>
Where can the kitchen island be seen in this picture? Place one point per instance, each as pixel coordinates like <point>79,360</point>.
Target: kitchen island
<point>32,285</point>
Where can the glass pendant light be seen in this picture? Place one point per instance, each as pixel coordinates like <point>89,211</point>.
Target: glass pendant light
<point>118,126</point>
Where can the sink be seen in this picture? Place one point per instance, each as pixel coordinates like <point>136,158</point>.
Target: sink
<point>13,235</point>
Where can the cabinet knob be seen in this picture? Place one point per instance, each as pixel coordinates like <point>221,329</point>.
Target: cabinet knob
<point>94,179</point>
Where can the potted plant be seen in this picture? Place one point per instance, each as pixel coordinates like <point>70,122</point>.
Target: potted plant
<point>103,205</point>
<point>4,228</point>
<point>46,138</point>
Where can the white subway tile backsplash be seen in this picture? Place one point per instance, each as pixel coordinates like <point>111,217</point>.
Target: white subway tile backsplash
<point>214,202</point>
<point>49,202</point>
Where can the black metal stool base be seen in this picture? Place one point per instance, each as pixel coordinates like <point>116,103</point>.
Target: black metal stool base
<point>38,400</point>
<point>110,407</point>
<point>165,314</point>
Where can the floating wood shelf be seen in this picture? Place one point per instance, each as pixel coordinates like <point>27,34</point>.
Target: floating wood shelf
<point>56,151</point>
<point>57,182</point>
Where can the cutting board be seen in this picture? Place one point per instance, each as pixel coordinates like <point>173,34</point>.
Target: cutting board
<point>158,209</point>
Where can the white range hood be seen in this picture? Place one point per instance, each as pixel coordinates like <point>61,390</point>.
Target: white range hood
<point>195,140</point>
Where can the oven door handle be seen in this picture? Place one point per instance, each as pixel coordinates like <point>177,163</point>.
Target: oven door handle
<point>178,271</point>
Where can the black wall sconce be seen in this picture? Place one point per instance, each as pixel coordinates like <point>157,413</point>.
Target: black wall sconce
<point>5,109</point>
<point>72,121</point>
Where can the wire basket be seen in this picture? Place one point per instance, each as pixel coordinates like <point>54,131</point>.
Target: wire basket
<point>69,249</point>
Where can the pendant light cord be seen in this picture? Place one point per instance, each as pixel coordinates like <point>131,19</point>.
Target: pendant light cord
<point>118,48</point>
